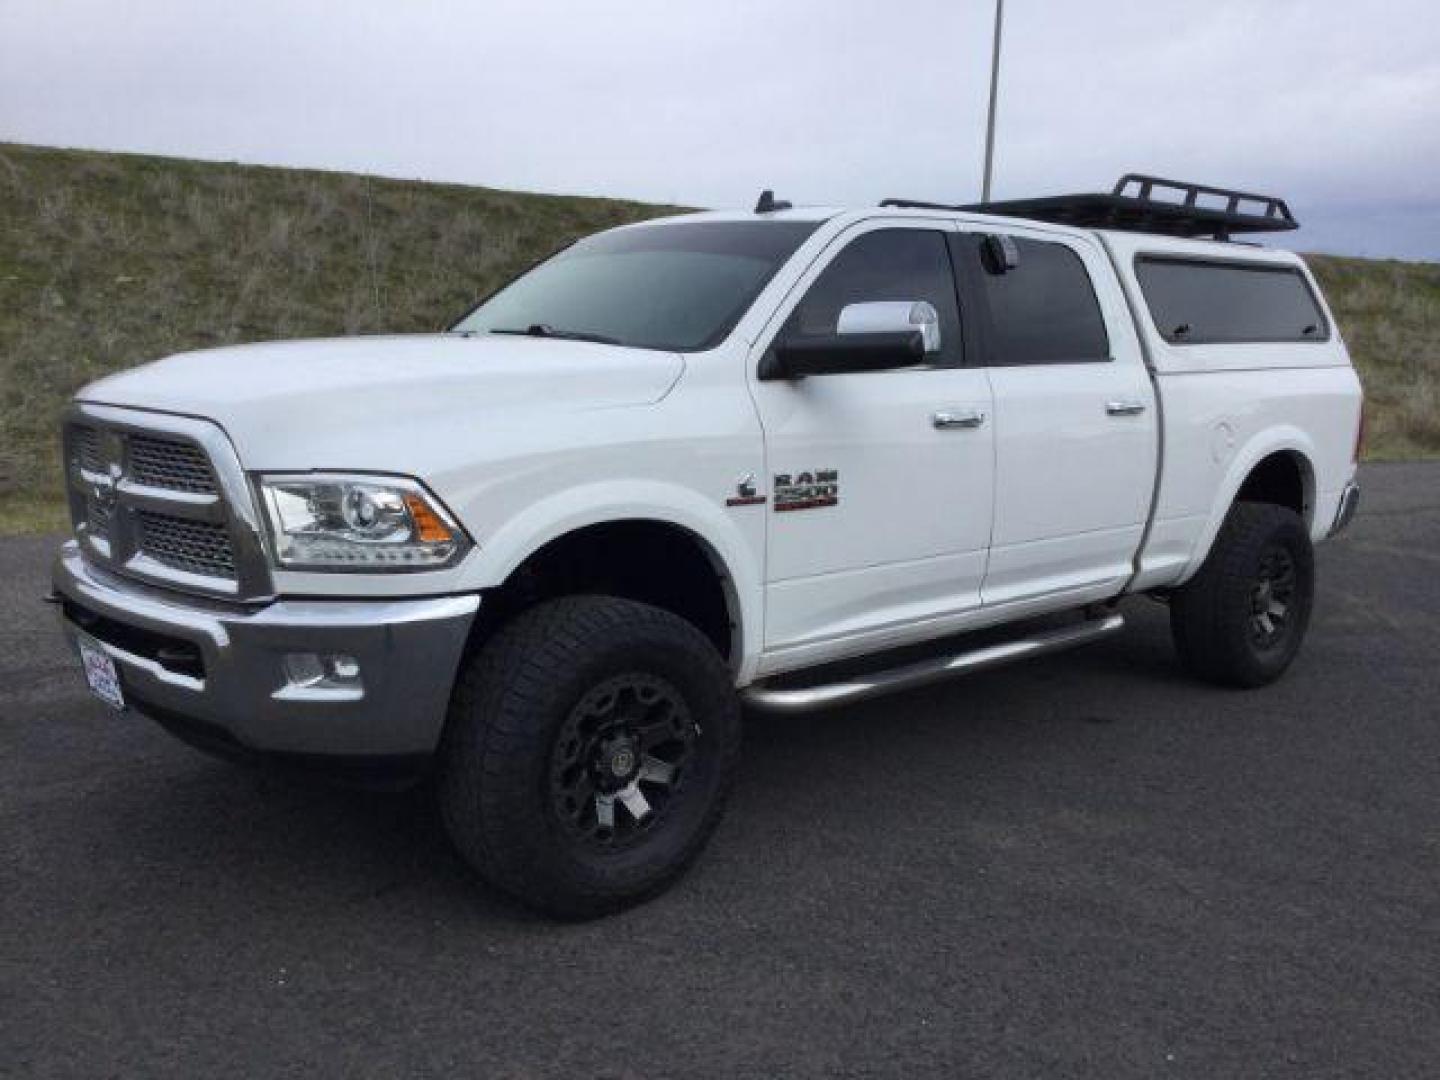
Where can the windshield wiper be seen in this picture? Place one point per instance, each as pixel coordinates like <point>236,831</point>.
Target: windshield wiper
<point>546,330</point>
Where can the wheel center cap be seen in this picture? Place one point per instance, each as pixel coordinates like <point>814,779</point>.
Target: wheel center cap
<point>622,761</point>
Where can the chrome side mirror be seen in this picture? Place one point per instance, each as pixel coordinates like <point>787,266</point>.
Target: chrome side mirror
<point>892,317</point>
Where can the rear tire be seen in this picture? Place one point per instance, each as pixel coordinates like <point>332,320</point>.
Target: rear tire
<point>590,749</point>
<point>1242,618</point>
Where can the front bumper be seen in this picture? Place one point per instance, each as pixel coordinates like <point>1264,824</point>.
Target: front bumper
<point>219,668</point>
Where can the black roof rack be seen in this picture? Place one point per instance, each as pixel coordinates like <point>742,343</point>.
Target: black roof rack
<point>1222,213</point>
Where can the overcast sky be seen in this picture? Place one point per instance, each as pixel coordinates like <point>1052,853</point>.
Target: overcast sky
<point>1334,104</point>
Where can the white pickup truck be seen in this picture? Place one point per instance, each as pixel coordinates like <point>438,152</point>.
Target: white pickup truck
<point>791,458</point>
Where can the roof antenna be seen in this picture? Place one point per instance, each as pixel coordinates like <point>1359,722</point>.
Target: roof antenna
<point>767,203</point>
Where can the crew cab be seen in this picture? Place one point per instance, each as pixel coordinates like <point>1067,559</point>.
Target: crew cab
<point>790,458</point>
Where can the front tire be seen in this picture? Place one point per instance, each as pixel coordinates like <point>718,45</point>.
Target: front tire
<point>1242,618</point>
<point>590,749</point>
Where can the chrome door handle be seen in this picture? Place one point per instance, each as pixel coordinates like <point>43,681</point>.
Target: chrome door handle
<point>1125,408</point>
<point>968,418</point>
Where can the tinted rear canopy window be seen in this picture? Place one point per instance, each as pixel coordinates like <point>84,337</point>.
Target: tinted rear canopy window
<point>1195,302</point>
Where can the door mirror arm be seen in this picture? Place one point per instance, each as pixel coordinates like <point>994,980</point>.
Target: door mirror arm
<point>838,354</point>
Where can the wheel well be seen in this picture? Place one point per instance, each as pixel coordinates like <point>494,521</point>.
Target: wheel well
<point>649,561</point>
<point>1283,478</point>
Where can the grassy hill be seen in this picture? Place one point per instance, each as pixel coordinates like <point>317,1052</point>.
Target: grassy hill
<point>1389,314</point>
<point>110,260</point>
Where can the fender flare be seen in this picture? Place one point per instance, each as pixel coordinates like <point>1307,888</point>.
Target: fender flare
<point>1282,439</point>
<point>564,512</point>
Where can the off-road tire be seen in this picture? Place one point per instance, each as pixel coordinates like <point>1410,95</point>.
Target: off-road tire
<point>515,698</point>
<point>1213,617</point>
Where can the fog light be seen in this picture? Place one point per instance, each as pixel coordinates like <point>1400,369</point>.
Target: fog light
<point>334,670</point>
<point>303,668</point>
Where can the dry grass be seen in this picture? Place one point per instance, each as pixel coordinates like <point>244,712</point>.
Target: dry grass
<point>1389,314</point>
<point>110,260</point>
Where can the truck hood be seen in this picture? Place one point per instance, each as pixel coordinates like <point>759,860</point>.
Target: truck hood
<point>380,402</point>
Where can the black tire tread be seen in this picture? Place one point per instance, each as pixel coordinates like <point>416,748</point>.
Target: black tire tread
<point>1205,614</point>
<point>492,733</point>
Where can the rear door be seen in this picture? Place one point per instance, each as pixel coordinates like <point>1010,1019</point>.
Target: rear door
<point>1075,423</point>
<point>880,481</point>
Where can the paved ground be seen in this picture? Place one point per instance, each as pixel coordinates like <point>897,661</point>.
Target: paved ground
<point>1087,866</point>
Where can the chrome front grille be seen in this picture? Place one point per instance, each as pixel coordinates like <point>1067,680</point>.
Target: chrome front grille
<point>97,518</point>
<point>92,479</point>
<point>89,449</point>
<point>163,499</point>
<point>169,464</point>
<point>196,547</point>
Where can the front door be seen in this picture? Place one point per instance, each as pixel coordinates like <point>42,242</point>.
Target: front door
<point>880,481</point>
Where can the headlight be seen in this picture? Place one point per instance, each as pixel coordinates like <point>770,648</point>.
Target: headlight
<point>323,521</point>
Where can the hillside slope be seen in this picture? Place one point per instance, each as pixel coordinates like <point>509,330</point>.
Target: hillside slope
<point>109,260</point>
<point>1389,315</point>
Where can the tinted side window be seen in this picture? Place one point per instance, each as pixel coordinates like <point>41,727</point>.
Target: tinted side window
<point>888,264</point>
<point>1044,310</point>
<point>1197,302</point>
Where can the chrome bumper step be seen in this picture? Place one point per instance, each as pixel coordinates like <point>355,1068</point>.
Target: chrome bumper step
<point>924,672</point>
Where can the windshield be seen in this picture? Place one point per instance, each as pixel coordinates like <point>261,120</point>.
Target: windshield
<point>679,285</point>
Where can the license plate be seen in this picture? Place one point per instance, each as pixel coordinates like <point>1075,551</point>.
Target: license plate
<point>101,674</point>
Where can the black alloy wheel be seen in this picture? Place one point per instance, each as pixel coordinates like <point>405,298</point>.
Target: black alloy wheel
<point>1272,598</point>
<point>620,759</point>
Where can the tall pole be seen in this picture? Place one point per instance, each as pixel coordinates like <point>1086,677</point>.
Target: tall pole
<point>994,89</point>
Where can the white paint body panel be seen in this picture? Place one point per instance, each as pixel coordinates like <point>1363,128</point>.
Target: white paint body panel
<point>909,537</point>
<point>1043,508</point>
<point>1227,407</point>
<point>1073,482</point>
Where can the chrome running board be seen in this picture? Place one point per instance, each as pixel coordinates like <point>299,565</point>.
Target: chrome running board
<point>921,673</point>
